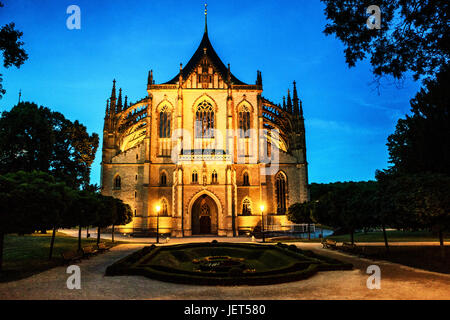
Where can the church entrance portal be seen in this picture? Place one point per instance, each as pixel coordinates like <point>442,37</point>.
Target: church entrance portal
<point>204,216</point>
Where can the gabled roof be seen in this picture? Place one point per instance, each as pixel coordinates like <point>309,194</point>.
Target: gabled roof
<point>213,58</point>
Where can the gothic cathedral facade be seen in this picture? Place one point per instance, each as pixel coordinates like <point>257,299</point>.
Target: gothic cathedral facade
<point>205,153</point>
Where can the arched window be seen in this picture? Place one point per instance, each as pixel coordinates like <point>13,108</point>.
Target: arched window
<point>164,122</point>
<point>194,176</point>
<point>163,179</point>
<point>204,121</point>
<point>164,208</point>
<point>246,179</point>
<point>281,191</point>
<point>117,183</point>
<point>214,177</point>
<point>244,122</point>
<point>246,208</point>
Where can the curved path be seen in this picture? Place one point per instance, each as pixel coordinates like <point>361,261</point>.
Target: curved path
<point>397,282</point>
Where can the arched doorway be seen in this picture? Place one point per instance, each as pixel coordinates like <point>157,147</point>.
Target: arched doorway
<point>204,216</point>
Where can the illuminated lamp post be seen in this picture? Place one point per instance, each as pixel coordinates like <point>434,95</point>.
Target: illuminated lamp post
<point>158,208</point>
<point>262,223</point>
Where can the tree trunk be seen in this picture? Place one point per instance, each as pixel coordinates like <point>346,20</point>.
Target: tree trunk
<point>352,236</point>
<point>79,238</point>
<point>386,243</point>
<point>2,239</point>
<point>52,243</point>
<point>112,234</point>
<point>98,236</point>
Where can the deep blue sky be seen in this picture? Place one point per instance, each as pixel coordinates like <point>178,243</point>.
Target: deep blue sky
<point>71,71</point>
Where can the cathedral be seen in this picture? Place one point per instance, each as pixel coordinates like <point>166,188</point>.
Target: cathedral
<point>205,153</point>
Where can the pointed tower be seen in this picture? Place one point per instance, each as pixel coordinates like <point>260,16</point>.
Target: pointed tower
<point>289,102</point>
<point>119,102</point>
<point>113,100</point>
<point>296,101</point>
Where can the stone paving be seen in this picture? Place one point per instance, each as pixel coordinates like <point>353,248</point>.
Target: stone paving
<point>397,282</point>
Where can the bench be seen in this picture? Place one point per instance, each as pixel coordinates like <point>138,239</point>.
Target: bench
<point>89,251</point>
<point>71,256</point>
<point>329,244</point>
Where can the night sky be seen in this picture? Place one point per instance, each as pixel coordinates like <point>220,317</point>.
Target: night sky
<point>71,71</point>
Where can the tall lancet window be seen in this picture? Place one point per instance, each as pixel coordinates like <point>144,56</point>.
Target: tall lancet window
<point>164,208</point>
<point>204,121</point>
<point>281,191</point>
<point>244,122</point>
<point>165,118</point>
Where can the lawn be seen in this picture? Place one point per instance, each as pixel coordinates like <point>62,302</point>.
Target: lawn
<point>422,257</point>
<point>26,255</point>
<point>393,236</point>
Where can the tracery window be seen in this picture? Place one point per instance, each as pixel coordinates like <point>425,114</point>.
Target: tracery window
<point>204,121</point>
<point>246,208</point>
<point>244,122</point>
<point>281,191</point>
<point>165,118</point>
<point>163,179</point>
<point>195,176</point>
<point>214,177</point>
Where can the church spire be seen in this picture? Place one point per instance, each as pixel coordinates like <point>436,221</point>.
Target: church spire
<point>206,17</point>
<point>289,102</point>
<point>295,100</point>
<point>119,103</point>
<point>113,93</point>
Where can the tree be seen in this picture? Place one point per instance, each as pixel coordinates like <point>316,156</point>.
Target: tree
<point>104,218</point>
<point>11,46</point>
<point>414,35</point>
<point>82,212</point>
<point>421,142</point>
<point>347,206</point>
<point>121,215</point>
<point>35,138</point>
<point>302,213</point>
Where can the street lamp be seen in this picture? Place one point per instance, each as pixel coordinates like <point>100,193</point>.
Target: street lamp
<point>158,208</point>
<point>262,222</point>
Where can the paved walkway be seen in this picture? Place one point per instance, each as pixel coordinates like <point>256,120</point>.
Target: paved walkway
<point>398,282</point>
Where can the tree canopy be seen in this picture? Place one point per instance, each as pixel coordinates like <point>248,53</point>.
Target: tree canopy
<point>35,138</point>
<point>414,35</point>
<point>421,142</point>
<point>11,47</point>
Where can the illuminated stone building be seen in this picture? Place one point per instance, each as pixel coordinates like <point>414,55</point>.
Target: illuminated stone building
<point>208,149</point>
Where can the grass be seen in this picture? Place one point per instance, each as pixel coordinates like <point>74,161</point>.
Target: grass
<point>26,255</point>
<point>393,236</point>
<point>422,257</point>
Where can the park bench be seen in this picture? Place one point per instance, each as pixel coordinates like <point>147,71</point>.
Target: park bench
<point>329,244</point>
<point>102,247</point>
<point>71,256</point>
<point>89,251</point>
